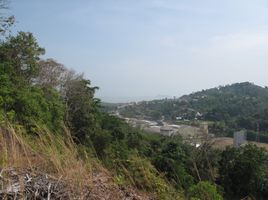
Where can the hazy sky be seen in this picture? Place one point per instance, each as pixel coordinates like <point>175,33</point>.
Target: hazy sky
<point>135,49</point>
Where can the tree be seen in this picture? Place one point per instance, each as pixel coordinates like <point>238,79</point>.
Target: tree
<point>171,161</point>
<point>204,162</point>
<point>20,55</point>
<point>51,74</point>
<point>81,108</point>
<point>244,172</point>
<point>20,96</point>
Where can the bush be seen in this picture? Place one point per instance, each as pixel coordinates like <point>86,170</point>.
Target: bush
<point>204,191</point>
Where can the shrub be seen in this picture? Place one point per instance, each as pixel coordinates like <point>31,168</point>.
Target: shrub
<point>204,191</point>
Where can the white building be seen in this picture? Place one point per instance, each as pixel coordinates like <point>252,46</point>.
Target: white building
<point>240,138</point>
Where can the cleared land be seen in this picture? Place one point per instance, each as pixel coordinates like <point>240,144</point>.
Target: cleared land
<point>222,142</point>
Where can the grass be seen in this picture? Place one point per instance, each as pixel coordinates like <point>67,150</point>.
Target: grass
<point>223,142</point>
<point>55,154</point>
<point>141,174</point>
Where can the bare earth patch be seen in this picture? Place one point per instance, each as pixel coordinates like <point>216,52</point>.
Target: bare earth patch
<point>26,184</point>
<point>223,142</point>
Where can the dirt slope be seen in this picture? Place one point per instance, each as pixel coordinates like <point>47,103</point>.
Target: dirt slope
<point>20,184</point>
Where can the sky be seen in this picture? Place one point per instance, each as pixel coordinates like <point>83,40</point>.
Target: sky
<point>146,49</point>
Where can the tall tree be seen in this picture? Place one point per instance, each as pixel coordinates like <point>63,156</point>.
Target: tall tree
<point>51,74</point>
<point>20,97</point>
<point>243,172</point>
<point>21,54</point>
<point>81,108</point>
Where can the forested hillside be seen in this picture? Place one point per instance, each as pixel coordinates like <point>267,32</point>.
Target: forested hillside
<point>50,111</point>
<point>232,107</point>
<point>56,143</point>
<point>41,101</point>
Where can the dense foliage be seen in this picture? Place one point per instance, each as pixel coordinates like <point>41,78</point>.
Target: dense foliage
<point>204,190</point>
<point>43,93</point>
<point>38,93</point>
<point>244,172</point>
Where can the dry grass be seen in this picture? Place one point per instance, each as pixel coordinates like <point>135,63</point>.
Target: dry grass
<point>223,142</point>
<point>55,154</point>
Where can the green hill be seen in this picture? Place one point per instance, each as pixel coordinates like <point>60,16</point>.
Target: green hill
<point>57,143</point>
<point>231,107</point>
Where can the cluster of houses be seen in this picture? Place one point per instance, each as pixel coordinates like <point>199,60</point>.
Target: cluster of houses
<point>168,129</point>
<point>191,133</point>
